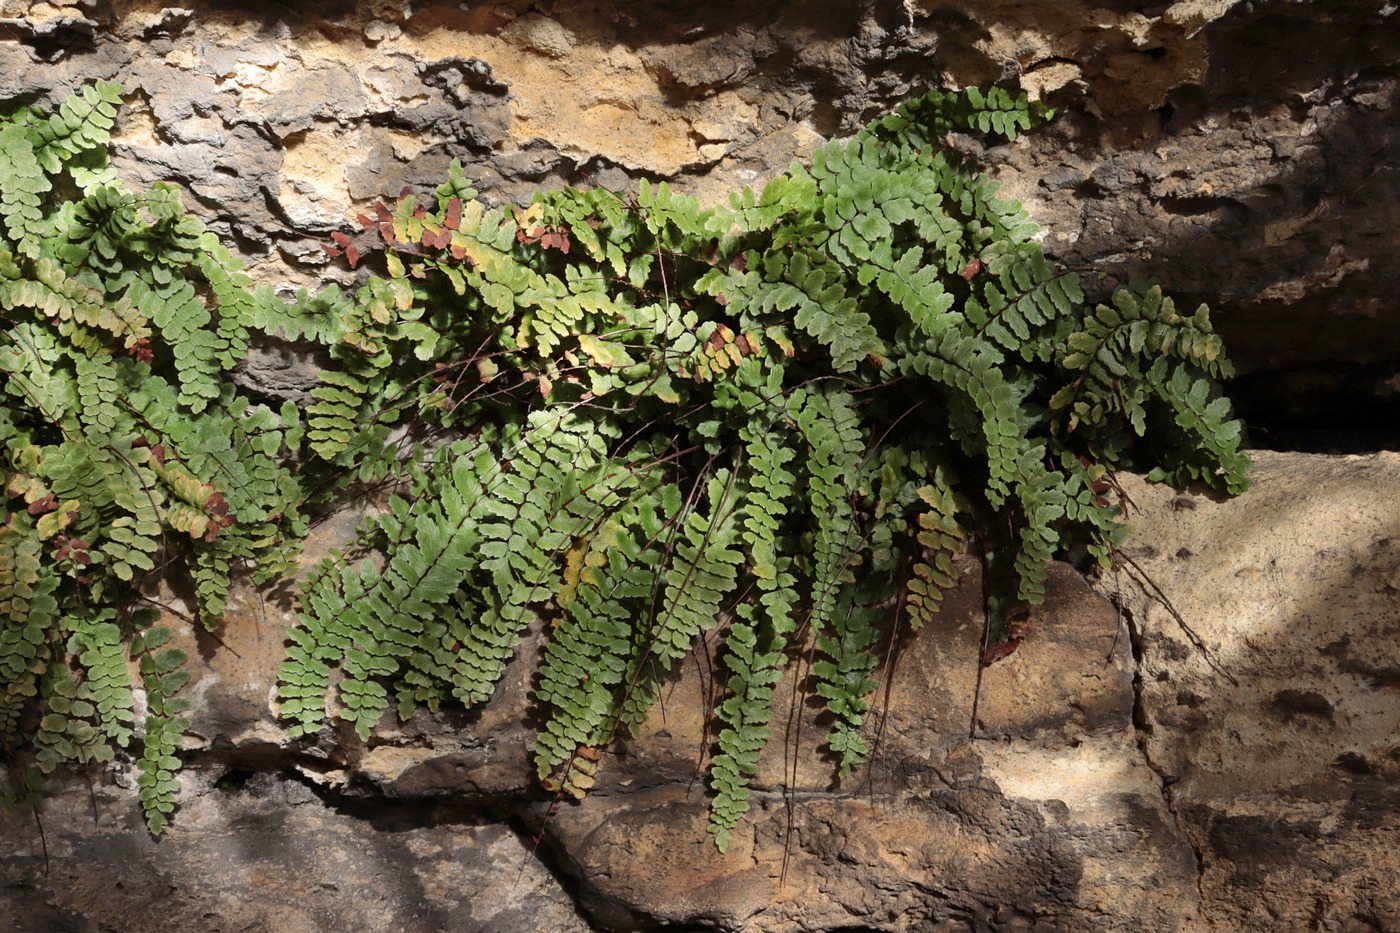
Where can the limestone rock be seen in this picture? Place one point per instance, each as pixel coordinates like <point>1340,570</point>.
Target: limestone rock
<point>1033,822</point>
<point>256,852</point>
<point>1242,151</point>
<point>1125,774</point>
<point>1053,791</point>
<point>1274,719</point>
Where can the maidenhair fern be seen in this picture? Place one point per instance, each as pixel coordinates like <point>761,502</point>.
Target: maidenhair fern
<point>779,419</point>
<point>124,448</point>
<point>811,394</point>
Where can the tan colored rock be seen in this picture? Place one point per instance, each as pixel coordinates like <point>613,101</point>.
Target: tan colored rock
<point>1125,774</point>
<point>1039,817</point>
<point>1240,150</point>
<point>1276,725</point>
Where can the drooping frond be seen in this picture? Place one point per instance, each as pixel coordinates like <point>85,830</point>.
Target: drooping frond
<point>124,446</point>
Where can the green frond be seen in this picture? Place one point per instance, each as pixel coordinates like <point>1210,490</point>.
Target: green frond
<point>926,119</point>
<point>939,535</point>
<point>611,583</point>
<point>23,185</point>
<point>701,574</point>
<point>97,643</point>
<point>158,764</point>
<point>1022,302</point>
<point>83,123</point>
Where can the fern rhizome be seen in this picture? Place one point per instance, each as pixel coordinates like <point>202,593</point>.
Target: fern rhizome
<point>640,418</point>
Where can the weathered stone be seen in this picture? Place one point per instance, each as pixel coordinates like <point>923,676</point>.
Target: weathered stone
<point>279,373</point>
<point>326,93</point>
<point>259,852</point>
<point>1125,774</point>
<point>1270,706</point>
<point>1052,793</point>
<point>1242,151</point>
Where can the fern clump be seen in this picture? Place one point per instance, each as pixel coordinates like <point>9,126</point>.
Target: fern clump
<point>124,448</point>
<point>785,413</point>
<point>781,419</point>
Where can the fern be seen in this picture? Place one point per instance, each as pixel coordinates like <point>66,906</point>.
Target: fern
<point>701,575</point>
<point>770,334</point>
<point>642,418</point>
<point>940,535</point>
<point>757,639</point>
<point>925,120</point>
<point>83,124</point>
<point>164,726</point>
<point>373,618</point>
<point>97,642</point>
<point>593,655</point>
<point>22,194</point>
<point>124,444</point>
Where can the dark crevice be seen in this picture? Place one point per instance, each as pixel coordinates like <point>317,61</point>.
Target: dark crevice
<point>1198,205</point>
<point>1330,409</point>
<point>1142,731</point>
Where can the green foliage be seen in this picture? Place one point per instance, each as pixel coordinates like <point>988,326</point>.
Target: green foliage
<point>124,448</point>
<point>164,727</point>
<point>778,419</point>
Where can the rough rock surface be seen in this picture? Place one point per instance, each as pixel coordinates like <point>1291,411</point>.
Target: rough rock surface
<point>1245,151</point>
<point>1276,726</point>
<point>256,852</point>
<point>1232,769</point>
<point>1053,793</point>
<point>1125,774</point>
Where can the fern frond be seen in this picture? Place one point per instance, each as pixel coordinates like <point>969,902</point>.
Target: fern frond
<point>23,185</point>
<point>926,119</point>
<point>1022,300</point>
<point>1200,409</point>
<point>812,287</point>
<point>83,123</point>
<point>38,373</point>
<point>829,423</point>
<point>183,320</point>
<point>755,644</point>
<point>103,223</point>
<point>97,398</point>
<point>940,535</point>
<point>164,726</point>
<point>75,308</point>
<point>702,573</point>
<point>27,610</point>
<point>97,643</point>
<point>371,620</point>
<point>559,486</point>
<point>844,679</point>
<point>964,365</point>
<point>64,733</point>
<point>593,650</point>
<point>332,420</point>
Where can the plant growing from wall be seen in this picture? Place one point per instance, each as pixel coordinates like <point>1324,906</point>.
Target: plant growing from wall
<point>124,448</point>
<point>648,418</point>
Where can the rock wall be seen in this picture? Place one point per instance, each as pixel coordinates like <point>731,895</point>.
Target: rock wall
<point>1269,708</point>
<point>1126,773</point>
